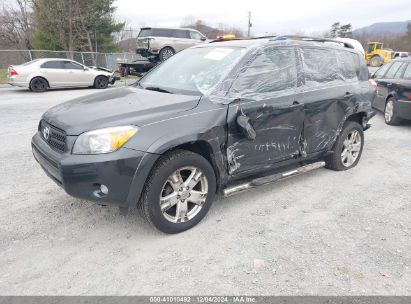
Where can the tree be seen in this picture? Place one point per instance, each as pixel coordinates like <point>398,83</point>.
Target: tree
<point>340,30</point>
<point>75,25</point>
<point>16,20</point>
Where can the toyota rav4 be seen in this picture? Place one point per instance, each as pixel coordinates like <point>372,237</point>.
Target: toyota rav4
<point>216,118</point>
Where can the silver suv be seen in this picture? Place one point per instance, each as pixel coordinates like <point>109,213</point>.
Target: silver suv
<point>162,43</point>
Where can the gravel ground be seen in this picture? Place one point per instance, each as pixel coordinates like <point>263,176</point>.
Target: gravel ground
<point>323,233</point>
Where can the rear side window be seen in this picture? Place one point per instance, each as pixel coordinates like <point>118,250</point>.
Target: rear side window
<point>407,72</point>
<point>381,71</point>
<point>395,67</point>
<point>180,34</point>
<point>349,65</point>
<point>68,65</point>
<point>320,66</point>
<point>52,65</point>
<point>144,33</point>
<point>272,71</point>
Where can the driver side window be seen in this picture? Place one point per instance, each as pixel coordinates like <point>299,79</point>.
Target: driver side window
<point>271,72</point>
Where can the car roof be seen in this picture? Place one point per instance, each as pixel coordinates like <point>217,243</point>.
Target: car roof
<point>167,28</point>
<point>250,43</point>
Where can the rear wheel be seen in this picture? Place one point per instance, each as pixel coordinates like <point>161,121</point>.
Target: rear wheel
<point>101,82</point>
<point>38,84</point>
<point>390,113</point>
<point>178,192</point>
<point>376,61</point>
<point>348,148</point>
<point>166,53</point>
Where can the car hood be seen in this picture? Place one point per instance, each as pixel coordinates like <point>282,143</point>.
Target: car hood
<point>117,107</point>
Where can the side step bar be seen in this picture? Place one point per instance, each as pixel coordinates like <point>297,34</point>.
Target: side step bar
<point>271,178</point>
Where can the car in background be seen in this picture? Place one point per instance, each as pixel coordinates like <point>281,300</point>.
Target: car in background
<point>42,74</point>
<point>401,54</point>
<point>393,97</point>
<point>159,44</point>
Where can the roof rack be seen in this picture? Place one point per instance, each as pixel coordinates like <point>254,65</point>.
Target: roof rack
<point>314,39</point>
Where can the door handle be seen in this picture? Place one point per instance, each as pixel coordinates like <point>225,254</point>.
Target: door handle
<point>389,84</point>
<point>295,103</point>
<point>348,95</point>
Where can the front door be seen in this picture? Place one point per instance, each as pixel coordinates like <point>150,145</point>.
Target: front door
<point>267,93</point>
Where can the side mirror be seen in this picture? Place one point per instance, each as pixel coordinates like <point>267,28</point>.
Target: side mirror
<point>203,38</point>
<point>245,125</point>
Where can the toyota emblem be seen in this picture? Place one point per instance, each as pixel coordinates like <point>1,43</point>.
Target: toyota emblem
<point>46,133</point>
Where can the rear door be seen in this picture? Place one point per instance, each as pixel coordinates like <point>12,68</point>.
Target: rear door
<point>378,76</point>
<point>266,92</point>
<point>54,72</point>
<point>327,97</point>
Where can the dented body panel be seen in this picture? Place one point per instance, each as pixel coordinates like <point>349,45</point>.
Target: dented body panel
<point>296,118</point>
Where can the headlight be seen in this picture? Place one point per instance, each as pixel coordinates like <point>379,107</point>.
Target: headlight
<point>103,140</point>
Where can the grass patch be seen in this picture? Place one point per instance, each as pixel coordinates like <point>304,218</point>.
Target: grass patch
<point>3,76</point>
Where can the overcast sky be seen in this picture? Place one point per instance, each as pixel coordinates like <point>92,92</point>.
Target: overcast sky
<point>285,16</point>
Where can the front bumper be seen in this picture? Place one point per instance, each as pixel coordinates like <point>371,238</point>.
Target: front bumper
<point>123,172</point>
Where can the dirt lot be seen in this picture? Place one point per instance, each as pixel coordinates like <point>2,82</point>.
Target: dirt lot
<point>326,233</point>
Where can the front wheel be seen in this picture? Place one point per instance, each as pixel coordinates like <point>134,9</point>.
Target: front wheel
<point>101,82</point>
<point>348,148</point>
<point>376,61</point>
<point>178,192</point>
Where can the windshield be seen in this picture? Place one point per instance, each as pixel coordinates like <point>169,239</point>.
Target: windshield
<point>195,70</point>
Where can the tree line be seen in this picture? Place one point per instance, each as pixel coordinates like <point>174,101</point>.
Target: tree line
<point>70,25</point>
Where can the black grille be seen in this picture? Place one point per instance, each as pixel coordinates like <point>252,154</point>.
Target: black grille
<point>55,137</point>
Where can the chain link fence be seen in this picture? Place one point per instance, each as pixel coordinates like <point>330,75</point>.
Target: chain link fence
<point>107,60</point>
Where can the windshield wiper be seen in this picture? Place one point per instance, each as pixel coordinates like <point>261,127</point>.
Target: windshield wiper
<point>157,89</point>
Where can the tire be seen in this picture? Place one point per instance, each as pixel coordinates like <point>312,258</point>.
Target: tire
<point>101,82</point>
<point>38,85</point>
<point>166,179</point>
<point>390,113</point>
<point>166,53</point>
<point>376,61</point>
<point>348,148</point>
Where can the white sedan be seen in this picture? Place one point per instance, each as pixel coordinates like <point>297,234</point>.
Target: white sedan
<point>41,74</point>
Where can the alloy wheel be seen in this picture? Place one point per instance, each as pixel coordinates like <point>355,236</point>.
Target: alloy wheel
<point>351,148</point>
<point>183,194</point>
<point>167,53</point>
<point>389,111</point>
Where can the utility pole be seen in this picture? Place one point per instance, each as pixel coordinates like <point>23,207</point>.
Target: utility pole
<point>249,24</point>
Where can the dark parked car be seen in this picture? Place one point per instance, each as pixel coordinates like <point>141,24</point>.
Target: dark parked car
<point>394,90</point>
<point>216,118</point>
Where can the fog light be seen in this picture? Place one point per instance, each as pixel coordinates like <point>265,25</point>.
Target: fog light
<point>104,189</point>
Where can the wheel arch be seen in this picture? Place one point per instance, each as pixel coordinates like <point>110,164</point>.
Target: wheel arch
<point>42,77</point>
<point>204,149</point>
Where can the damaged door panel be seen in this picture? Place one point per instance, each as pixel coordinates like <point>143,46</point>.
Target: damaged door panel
<point>328,96</point>
<point>270,100</point>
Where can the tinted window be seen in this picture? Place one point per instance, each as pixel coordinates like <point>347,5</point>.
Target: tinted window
<point>162,33</point>
<point>398,74</point>
<point>395,67</point>
<point>407,72</point>
<point>180,34</point>
<point>349,64</point>
<point>52,65</point>
<point>68,65</point>
<point>381,71</point>
<point>157,32</point>
<point>272,71</point>
<point>195,35</point>
<point>144,33</point>
<point>320,66</point>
